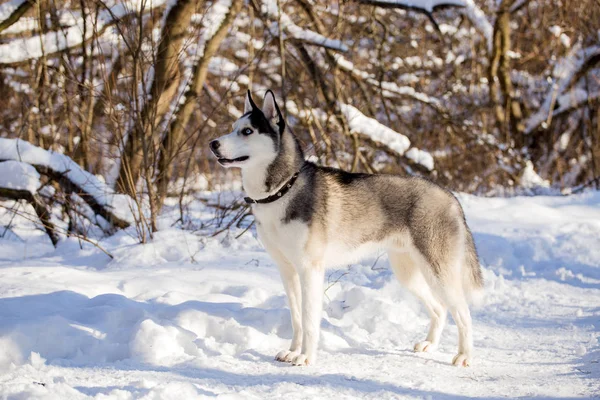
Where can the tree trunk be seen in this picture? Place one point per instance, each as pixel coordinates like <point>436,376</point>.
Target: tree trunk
<point>508,112</point>
<point>164,87</point>
<point>172,139</point>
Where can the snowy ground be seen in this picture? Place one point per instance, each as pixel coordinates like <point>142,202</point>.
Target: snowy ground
<point>185,317</point>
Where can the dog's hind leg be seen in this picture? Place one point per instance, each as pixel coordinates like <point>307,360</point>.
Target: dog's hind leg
<point>457,303</point>
<point>410,276</point>
<point>441,239</point>
<point>449,286</point>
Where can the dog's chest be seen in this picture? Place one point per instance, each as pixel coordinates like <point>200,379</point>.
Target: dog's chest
<point>271,219</point>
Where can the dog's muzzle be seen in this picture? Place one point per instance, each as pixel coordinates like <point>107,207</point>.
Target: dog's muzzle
<point>214,147</point>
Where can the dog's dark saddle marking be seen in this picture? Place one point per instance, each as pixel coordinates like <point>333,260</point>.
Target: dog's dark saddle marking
<point>277,195</point>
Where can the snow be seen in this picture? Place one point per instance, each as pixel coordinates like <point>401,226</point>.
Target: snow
<point>530,179</point>
<point>189,316</point>
<point>25,48</point>
<point>573,98</point>
<point>480,22</point>
<point>390,89</point>
<point>421,157</point>
<point>20,49</point>
<point>24,24</point>
<point>563,73</point>
<point>66,18</point>
<point>221,66</point>
<point>425,5</point>
<point>9,7</point>
<point>271,10</point>
<point>373,129</point>
<point>565,40</point>
<point>20,176</point>
<point>369,128</point>
<point>555,30</point>
<point>20,150</point>
<point>212,21</point>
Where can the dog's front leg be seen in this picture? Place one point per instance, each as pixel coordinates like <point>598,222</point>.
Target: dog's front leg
<point>291,283</point>
<point>311,280</point>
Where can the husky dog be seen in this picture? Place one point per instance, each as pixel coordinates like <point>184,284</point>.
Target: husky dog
<point>310,218</point>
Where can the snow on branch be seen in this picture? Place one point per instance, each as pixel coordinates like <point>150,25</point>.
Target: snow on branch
<point>272,11</point>
<point>574,99</point>
<point>468,8</point>
<point>480,22</point>
<point>426,7</point>
<point>23,49</point>
<point>12,10</point>
<point>564,75</point>
<point>419,5</point>
<point>19,176</point>
<point>360,123</point>
<point>115,208</point>
<point>420,157</point>
<point>389,89</point>
<point>20,181</point>
<point>381,134</point>
<point>369,130</point>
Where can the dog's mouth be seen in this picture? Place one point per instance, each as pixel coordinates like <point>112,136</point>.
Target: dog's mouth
<point>224,161</point>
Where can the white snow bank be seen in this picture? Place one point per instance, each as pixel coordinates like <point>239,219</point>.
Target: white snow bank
<point>205,320</point>
<point>20,176</point>
<point>20,150</point>
<point>10,355</point>
<point>162,345</point>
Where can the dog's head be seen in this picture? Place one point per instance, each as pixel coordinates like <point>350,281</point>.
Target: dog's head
<point>256,135</point>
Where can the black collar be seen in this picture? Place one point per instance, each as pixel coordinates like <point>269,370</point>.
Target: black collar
<point>279,194</point>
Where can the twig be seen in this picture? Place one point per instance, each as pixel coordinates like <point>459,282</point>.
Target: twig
<point>64,232</point>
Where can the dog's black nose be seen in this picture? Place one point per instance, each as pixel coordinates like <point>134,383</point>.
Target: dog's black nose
<point>214,145</point>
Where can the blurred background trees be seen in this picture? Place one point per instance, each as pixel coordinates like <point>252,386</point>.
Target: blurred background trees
<point>481,96</point>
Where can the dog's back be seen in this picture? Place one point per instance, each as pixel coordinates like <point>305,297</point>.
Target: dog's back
<point>358,210</point>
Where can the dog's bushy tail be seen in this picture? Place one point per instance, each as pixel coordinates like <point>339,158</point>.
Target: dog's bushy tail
<point>473,279</point>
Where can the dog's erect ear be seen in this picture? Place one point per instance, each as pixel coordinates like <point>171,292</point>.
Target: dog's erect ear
<point>249,104</point>
<point>272,112</point>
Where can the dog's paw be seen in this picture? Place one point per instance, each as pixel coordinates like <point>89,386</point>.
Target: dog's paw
<point>301,359</point>
<point>425,346</point>
<point>286,355</point>
<point>462,360</point>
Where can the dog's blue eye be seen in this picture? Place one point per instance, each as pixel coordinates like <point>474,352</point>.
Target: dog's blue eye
<point>247,132</point>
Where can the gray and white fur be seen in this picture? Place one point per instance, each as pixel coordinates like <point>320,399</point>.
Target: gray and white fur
<point>330,218</point>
